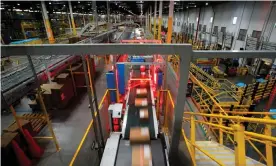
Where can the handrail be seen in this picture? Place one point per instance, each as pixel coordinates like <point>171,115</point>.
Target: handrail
<point>253,113</point>
<point>248,136</point>
<point>211,124</point>
<point>87,131</point>
<point>238,118</point>
<point>268,138</point>
<point>189,149</point>
<point>256,149</point>
<point>214,101</point>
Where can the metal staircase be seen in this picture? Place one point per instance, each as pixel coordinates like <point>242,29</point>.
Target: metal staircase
<point>221,153</point>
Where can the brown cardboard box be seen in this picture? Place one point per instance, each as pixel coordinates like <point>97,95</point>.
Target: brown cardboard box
<point>141,155</point>
<point>141,92</point>
<point>139,135</point>
<point>140,102</point>
<point>144,113</point>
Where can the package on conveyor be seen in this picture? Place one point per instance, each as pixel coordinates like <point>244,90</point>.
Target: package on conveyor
<point>143,83</point>
<point>141,155</point>
<point>141,102</point>
<point>142,68</point>
<point>144,113</point>
<point>143,74</point>
<point>139,135</point>
<point>141,91</point>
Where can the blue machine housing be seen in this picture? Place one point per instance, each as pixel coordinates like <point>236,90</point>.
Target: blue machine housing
<point>110,82</point>
<point>121,78</point>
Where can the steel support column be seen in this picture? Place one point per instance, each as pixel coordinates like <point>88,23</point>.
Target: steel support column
<point>47,23</point>
<point>108,19</point>
<point>150,20</point>
<point>83,20</point>
<point>197,24</point>
<point>154,19</point>
<point>170,22</point>
<point>146,19</point>
<point>72,18</point>
<point>95,16</point>
<point>69,21</point>
<point>41,102</point>
<point>95,125</point>
<point>91,69</point>
<point>185,56</point>
<point>160,20</point>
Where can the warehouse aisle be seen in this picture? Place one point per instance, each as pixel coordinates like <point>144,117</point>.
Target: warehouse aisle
<point>70,125</point>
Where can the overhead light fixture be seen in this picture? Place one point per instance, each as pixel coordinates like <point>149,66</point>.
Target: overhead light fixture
<point>206,3</point>
<point>78,1</point>
<point>2,8</point>
<point>50,3</point>
<point>31,8</point>
<point>195,5</point>
<point>211,19</point>
<point>18,4</point>
<point>187,7</point>
<point>63,5</point>
<point>235,20</point>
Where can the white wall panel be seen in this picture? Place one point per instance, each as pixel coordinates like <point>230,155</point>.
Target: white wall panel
<point>250,15</point>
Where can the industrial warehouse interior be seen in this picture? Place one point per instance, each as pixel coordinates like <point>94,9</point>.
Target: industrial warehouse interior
<point>138,83</point>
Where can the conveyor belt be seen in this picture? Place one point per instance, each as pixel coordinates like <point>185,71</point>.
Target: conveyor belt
<point>132,95</point>
<point>137,73</point>
<point>124,155</point>
<point>133,120</point>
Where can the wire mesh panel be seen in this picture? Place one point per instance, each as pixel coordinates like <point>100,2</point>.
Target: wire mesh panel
<point>228,40</point>
<point>268,46</point>
<point>220,38</point>
<point>251,43</point>
<point>18,74</point>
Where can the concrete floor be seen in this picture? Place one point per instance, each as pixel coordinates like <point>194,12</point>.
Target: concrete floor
<point>69,126</point>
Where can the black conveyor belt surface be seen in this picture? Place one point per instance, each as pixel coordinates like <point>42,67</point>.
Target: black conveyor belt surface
<point>124,155</point>
<point>132,96</point>
<point>133,120</point>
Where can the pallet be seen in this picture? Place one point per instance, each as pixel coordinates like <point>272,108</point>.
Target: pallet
<point>37,124</point>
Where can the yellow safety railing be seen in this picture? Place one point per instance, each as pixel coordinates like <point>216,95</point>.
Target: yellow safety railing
<point>236,129</point>
<point>105,97</point>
